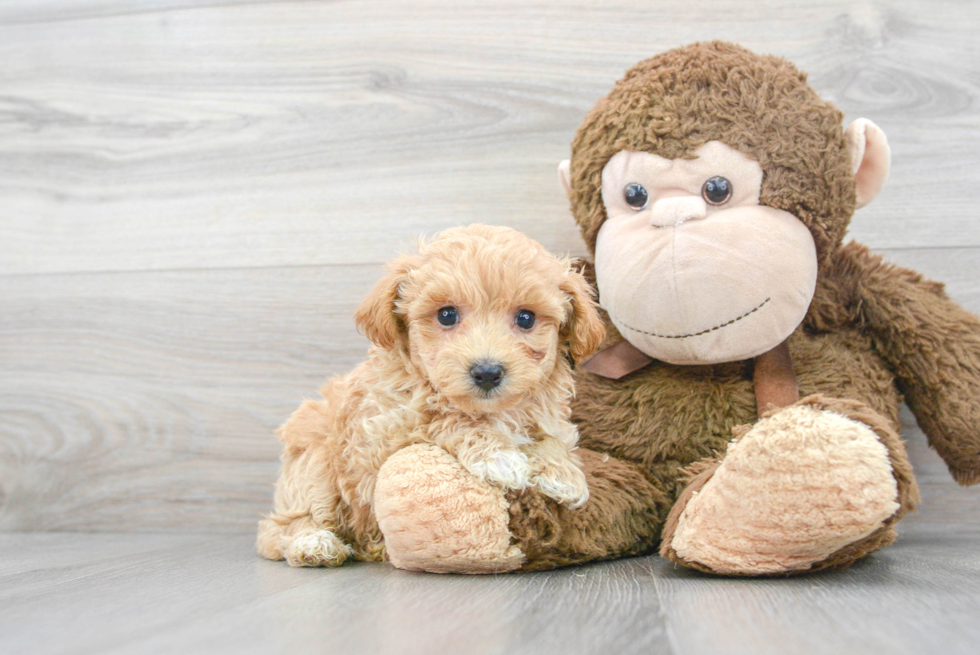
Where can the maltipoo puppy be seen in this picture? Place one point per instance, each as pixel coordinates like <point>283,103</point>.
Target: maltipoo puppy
<point>473,338</point>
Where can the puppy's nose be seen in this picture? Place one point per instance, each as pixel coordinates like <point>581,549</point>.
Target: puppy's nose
<point>487,375</point>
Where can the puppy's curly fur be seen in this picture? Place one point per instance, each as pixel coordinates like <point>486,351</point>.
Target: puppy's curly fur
<point>418,386</point>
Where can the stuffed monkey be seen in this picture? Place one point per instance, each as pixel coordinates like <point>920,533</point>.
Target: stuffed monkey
<point>742,415</point>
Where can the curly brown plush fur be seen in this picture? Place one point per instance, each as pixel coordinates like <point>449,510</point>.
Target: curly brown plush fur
<point>676,102</point>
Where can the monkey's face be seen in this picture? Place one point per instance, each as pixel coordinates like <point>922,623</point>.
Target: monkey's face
<point>690,267</point>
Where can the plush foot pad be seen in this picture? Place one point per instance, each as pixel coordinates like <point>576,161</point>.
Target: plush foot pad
<point>437,517</point>
<point>319,548</point>
<point>794,489</point>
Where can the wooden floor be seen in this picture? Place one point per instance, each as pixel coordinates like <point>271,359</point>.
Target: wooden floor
<point>142,593</point>
<point>194,196</point>
<point>133,593</point>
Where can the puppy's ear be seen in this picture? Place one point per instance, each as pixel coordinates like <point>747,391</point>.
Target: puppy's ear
<point>583,329</point>
<point>377,316</point>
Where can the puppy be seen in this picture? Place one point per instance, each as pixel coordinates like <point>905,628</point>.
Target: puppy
<point>472,339</point>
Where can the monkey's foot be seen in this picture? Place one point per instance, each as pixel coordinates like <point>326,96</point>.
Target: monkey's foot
<point>815,485</point>
<point>437,517</point>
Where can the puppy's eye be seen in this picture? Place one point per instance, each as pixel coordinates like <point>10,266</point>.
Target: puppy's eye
<point>524,319</point>
<point>716,190</point>
<point>447,316</point>
<point>636,196</point>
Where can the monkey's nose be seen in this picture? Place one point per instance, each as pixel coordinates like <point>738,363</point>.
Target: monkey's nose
<point>487,375</point>
<point>674,211</point>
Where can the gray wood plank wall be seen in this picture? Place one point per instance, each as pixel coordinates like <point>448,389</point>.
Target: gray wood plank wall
<point>195,195</point>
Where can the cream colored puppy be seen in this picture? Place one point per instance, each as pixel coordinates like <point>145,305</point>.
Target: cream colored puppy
<point>472,344</point>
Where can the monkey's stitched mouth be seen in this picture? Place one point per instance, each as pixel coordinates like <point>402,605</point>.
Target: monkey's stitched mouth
<point>697,334</point>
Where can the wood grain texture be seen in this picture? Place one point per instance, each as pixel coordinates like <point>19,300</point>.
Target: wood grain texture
<point>215,595</point>
<point>195,195</point>
<point>135,594</point>
<point>167,135</point>
<point>148,401</point>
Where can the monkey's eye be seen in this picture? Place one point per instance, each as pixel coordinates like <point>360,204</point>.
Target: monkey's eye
<point>447,316</point>
<point>524,319</point>
<point>636,196</point>
<point>717,190</point>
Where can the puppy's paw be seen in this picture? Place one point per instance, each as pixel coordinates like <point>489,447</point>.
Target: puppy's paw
<point>319,548</point>
<point>563,482</point>
<point>507,468</point>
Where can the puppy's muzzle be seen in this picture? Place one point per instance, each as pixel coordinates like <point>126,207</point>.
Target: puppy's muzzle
<point>487,375</point>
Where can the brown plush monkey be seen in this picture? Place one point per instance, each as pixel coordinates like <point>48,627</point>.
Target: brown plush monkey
<point>714,187</point>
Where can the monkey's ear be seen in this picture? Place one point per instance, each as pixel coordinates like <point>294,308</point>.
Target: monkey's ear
<point>583,329</point>
<point>565,176</point>
<point>870,158</point>
<point>376,317</point>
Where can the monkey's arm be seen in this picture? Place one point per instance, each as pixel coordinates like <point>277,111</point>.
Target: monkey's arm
<point>933,347</point>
